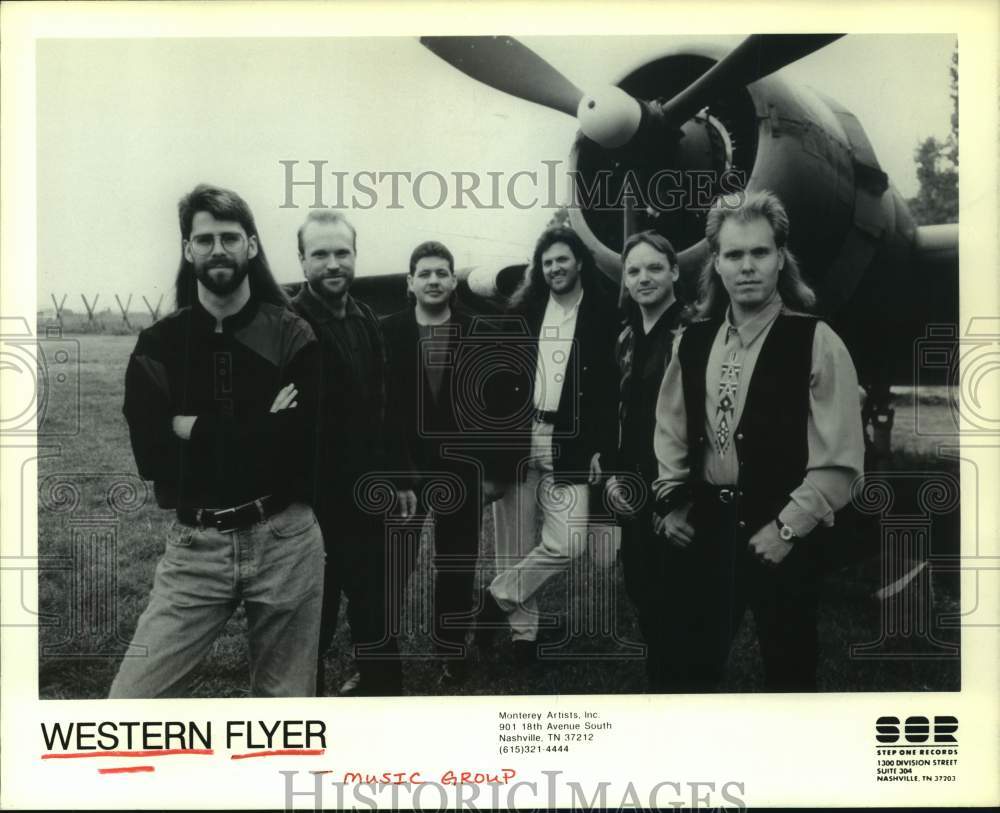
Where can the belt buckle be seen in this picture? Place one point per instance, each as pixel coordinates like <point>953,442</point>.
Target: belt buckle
<point>225,519</point>
<point>726,495</point>
<point>217,519</point>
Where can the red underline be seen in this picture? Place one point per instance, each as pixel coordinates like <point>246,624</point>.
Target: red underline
<point>164,753</point>
<point>284,752</point>
<point>136,769</point>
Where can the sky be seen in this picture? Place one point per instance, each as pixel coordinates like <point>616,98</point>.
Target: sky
<point>127,126</point>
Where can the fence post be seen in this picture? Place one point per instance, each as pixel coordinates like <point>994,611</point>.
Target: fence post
<point>154,312</point>
<point>90,308</point>
<point>124,309</point>
<point>59,307</point>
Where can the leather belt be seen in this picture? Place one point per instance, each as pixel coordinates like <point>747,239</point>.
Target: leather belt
<point>546,416</point>
<point>232,519</point>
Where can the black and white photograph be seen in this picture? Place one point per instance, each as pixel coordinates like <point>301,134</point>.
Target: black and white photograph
<point>415,429</point>
<point>408,375</point>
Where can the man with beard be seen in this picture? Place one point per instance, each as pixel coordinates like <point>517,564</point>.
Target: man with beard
<point>351,445</point>
<point>572,386</point>
<point>220,403</point>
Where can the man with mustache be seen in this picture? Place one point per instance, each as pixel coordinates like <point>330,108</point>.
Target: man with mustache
<point>570,395</point>
<point>352,443</point>
<point>758,439</point>
<point>220,400</point>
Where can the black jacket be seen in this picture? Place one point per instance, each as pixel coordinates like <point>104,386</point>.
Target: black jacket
<point>642,360</point>
<point>352,392</point>
<point>586,421</point>
<point>238,450</point>
<point>468,414</point>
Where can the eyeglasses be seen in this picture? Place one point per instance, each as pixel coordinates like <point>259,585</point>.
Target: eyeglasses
<point>204,244</point>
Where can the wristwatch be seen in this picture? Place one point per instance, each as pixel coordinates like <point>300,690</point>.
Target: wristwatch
<point>785,532</point>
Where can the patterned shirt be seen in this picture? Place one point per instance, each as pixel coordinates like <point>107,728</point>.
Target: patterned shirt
<point>835,441</point>
<point>730,368</point>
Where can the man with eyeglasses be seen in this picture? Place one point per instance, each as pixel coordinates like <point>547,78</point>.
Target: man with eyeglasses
<point>220,400</point>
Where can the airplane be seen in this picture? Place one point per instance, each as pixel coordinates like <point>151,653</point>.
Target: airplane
<point>656,148</point>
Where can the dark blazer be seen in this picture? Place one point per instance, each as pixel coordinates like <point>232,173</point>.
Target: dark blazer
<point>420,423</point>
<point>586,421</point>
<point>470,404</point>
<point>351,429</point>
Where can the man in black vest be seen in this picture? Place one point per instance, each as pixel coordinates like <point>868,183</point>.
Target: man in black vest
<point>758,439</point>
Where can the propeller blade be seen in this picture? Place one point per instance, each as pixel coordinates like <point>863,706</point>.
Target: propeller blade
<point>754,58</point>
<point>505,64</point>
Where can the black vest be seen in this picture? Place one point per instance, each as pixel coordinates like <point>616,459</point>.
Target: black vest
<point>771,439</point>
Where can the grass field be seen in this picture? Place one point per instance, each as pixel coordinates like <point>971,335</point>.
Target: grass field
<point>90,500</point>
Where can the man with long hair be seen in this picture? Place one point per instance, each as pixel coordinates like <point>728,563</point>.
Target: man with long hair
<point>653,318</point>
<point>256,270</point>
<point>758,439</point>
<point>571,325</point>
<point>220,400</point>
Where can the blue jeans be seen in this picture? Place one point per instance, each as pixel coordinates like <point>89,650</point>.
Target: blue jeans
<point>274,567</point>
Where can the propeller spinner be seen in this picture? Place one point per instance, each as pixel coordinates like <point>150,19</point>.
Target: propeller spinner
<point>609,116</point>
<point>632,139</point>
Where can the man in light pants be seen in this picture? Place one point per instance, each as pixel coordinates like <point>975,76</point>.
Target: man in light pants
<point>572,326</point>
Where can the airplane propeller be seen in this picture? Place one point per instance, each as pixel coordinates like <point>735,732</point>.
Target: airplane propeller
<point>505,64</point>
<point>756,57</point>
<point>610,117</point>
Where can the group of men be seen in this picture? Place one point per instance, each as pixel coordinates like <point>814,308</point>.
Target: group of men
<point>307,447</point>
